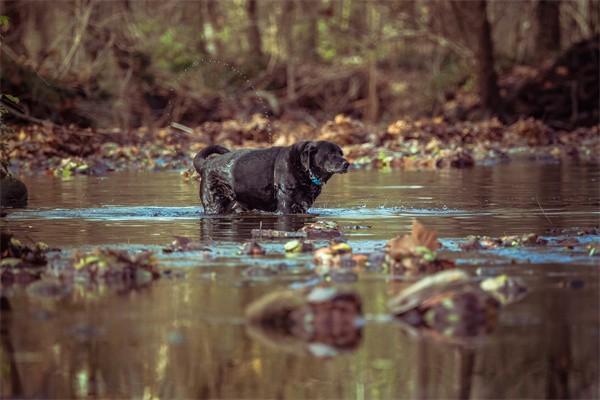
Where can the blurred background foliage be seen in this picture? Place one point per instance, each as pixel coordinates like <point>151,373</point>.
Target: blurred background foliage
<point>126,63</point>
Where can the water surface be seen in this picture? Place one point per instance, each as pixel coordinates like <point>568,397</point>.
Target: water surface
<point>185,338</point>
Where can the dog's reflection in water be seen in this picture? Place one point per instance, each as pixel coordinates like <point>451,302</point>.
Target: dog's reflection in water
<point>239,227</point>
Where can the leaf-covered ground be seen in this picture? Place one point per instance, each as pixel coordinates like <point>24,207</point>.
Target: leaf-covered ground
<point>409,144</point>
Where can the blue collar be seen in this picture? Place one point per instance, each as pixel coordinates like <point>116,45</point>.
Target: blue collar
<point>313,179</point>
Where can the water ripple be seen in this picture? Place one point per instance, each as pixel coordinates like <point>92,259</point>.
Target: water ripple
<point>165,213</point>
<point>127,213</point>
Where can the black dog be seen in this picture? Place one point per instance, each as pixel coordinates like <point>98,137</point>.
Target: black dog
<point>282,179</point>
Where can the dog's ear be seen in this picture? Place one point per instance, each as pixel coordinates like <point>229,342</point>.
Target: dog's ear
<point>306,151</point>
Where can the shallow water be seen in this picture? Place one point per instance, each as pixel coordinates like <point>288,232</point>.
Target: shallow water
<point>185,337</point>
<point>149,208</point>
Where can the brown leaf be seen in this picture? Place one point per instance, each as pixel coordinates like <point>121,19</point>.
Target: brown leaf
<point>424,237</point>
<point>419,237</point>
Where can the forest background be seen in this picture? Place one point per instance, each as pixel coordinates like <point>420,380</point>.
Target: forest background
<point>128,64</point>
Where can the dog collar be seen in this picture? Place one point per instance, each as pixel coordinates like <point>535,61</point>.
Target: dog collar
<point>313,179</point>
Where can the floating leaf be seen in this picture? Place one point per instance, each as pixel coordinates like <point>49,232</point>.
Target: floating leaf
<point>408,244</point>
<point>298,246</point>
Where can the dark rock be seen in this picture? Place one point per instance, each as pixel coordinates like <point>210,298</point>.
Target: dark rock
<point>13,192</point>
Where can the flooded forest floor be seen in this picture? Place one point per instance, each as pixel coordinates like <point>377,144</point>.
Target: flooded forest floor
<point>460,237</point>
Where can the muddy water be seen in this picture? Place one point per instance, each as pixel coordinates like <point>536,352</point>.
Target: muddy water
<point>184,338</point>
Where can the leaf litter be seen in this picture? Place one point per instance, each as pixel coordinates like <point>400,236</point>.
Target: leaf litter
<point>442,299</point>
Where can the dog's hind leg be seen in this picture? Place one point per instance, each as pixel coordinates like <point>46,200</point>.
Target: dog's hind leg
<point>216,195</point>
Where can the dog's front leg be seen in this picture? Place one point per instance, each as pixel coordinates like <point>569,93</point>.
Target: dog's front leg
<point>237,208</point>
<point>287,204</point>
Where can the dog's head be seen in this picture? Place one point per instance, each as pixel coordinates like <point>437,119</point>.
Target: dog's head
<point>322,157</point>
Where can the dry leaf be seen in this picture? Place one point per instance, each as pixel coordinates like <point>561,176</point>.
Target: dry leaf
<point>408,244</point>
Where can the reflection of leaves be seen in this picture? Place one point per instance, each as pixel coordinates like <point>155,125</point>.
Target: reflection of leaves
<point>48,289</point>
<point>252,248</point>
<point>20,263</point>
<point>448,302</point>
<point>181,243</point>
<point>421,290</point>
<point>504,288</point>
<point>321,229</point>
<point>486,242</point>
<point>11,247</point>
<point>117,266</point>
<point>321,320</point>
<point>89,261</point>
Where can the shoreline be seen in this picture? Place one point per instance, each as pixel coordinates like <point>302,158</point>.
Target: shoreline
<point>426,144</point>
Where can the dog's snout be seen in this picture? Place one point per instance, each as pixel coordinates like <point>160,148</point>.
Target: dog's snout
<point>345,166</point>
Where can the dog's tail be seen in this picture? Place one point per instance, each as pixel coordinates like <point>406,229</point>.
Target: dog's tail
<point>205,153</point>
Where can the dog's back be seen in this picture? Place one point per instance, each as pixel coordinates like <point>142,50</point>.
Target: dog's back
<point>205,153</point>
<point>253,178</point>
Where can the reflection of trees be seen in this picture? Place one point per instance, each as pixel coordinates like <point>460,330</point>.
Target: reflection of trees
<point>239,228</point>
<point>9,374</point>
<point>185,340</point>
<point>548,354</point>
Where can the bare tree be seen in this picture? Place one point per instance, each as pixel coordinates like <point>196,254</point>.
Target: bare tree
<point>372,109</point>
<point>215,20</point>
<point>197,14</point>
<point>547,38</point>
<point>486,72</point>
<point>474,14</point>
<point>311,12</point>
<point>17,13</point>
<point>287,22</point>
<point>253,32</point>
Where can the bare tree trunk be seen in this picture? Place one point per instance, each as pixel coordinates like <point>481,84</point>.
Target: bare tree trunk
<point>358,17</point>
<point>547,38</point>
<point>17,13</point>
<point>40,17</point>
<point>486,73</point>
<point>82,15</point>
<point>372,35</point>
<point>312,36</point>
<point>254,39</point>
<point>474,14</point>
<point>214,17</point>
<point>287,22</point>
<point>372,97</point>
<point>593,16</point>
<point>199,16</point>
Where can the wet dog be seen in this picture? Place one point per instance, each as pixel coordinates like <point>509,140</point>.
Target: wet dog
<point>286,180</point>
